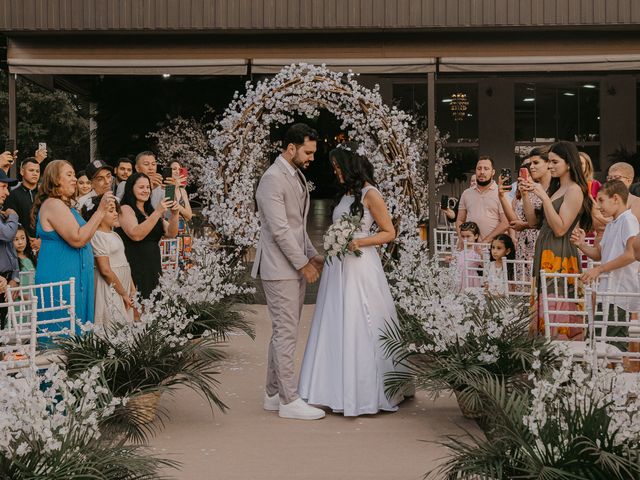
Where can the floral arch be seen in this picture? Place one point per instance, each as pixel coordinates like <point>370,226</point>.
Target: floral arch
<point>240,144</point>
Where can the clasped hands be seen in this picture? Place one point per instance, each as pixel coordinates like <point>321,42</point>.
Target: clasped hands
<point>311,271</point>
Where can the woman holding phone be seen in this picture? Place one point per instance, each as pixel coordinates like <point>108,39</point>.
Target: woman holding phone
<point>535,167</point>
<point>141,228</point>
<point>179,174</point>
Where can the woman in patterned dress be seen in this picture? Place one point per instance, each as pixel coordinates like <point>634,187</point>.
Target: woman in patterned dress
<point>526,235</point>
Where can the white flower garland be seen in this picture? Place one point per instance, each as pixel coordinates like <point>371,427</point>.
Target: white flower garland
<point>241,146</point>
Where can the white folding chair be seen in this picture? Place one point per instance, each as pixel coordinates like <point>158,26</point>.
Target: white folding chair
<point>615,310</point>
<point>584,260</point>
<point>19,341</point>
<point>472,268</point>
<point>565,311</point>
<point>445,242</point>
<point>169,253</point>
<point>53,307</point>
<point>519,285</point>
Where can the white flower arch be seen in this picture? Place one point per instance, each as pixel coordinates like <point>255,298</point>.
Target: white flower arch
<point>240,143</point>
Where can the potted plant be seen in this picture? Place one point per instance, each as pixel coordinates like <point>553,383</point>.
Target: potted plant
<point>51,428</point>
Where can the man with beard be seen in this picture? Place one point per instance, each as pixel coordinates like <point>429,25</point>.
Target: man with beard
<point>481,205</point>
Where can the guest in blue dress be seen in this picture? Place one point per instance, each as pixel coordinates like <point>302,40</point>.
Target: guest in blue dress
<point>66,250</point>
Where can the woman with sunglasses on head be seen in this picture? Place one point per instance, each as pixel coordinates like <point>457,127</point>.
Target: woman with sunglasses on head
<point>537,166</point>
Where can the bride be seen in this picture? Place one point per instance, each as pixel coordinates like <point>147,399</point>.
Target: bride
<point>344,365</point>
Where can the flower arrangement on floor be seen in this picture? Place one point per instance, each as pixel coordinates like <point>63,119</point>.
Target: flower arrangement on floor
<point>140,361</point>
<point>200,301</point>
<point>576,422</point>
<point>144,359</point>
<point>51,428</point>
<point>450,341</point>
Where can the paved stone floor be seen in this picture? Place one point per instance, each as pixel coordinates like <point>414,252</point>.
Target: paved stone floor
<point>249,443</point>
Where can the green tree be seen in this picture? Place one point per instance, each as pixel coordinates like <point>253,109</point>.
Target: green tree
<point>60,119</point>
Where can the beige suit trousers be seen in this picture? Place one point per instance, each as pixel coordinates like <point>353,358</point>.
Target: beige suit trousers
<point>284,300</point>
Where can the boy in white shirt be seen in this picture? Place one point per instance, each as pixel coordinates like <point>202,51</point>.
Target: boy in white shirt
<point>615,252</point>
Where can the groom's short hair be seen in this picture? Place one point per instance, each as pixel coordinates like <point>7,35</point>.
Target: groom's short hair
<point>297,133</point>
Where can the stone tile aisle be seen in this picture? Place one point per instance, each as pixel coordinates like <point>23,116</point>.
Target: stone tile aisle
<point>248,443</point>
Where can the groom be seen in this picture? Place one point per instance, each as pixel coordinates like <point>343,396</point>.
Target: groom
<point>286,261</point>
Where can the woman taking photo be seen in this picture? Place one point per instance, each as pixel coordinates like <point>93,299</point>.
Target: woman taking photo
<point>142,228</point>
<point>65,251</point>
<point>565,205</point>
<point>537,165</point>
<point>186,214</point>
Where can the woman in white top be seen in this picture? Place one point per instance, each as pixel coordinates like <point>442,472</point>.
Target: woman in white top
<point>113,285</point>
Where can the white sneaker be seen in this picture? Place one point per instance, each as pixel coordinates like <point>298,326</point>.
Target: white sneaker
<point>271,403</point>
<point>299,410</point>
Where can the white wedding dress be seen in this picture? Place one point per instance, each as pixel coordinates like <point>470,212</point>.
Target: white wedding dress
<point>344,364</point>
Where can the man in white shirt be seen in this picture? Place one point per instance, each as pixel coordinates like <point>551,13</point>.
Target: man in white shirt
<point>101,177</point>
<point>146,163</point>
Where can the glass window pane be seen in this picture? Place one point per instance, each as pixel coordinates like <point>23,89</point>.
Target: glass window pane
<point>525,112</point>
<point>411,97</point>
<point>547,111</point>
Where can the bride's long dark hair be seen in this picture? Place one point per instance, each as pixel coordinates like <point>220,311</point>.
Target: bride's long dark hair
<point>356,171</point>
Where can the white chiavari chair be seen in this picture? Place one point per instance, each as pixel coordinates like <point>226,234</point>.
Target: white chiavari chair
<point>19,340</point>
<point>55,307</point>
<point>519,285</point>
<point>474,258</point>
<point>169,253</point>
<point>566,311</point>
<point>616,328</point>
<point>445,242</point>
<point>584,260</point>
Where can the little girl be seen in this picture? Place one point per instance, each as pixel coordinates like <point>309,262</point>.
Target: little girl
<point>498,273</point>
<point>25,256</point>
<point>468,260</point>
<point>111,304</point>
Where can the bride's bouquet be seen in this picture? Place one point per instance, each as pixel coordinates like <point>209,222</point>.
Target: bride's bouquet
<point>338,237</point>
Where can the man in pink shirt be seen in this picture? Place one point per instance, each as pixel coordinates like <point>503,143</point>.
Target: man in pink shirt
<point>480,204</point>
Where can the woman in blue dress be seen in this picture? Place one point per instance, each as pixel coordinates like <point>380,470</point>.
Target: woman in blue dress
<point>66,250</point>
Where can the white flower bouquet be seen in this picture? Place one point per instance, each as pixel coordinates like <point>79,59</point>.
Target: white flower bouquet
<point>338,237</point>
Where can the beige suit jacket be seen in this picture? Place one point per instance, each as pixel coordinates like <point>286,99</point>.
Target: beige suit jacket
<point>284,246</point>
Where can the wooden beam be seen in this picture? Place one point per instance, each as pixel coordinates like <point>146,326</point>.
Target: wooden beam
<point>431,122</point>
<point>13,117</point>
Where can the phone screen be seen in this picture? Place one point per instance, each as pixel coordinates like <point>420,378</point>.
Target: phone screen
<point>170,192</point>
<point>10,145</point>
<point>166,172</point>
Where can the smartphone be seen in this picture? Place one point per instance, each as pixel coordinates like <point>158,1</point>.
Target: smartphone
<point>524,173</point>
<point>505,174</point>
<point>170,192</point>
<point>10,145</point>
<point>184,173</point>
<point>444,202</point>
<point>453,201</point>
<point>42,146</point>
<point>166,172</point>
